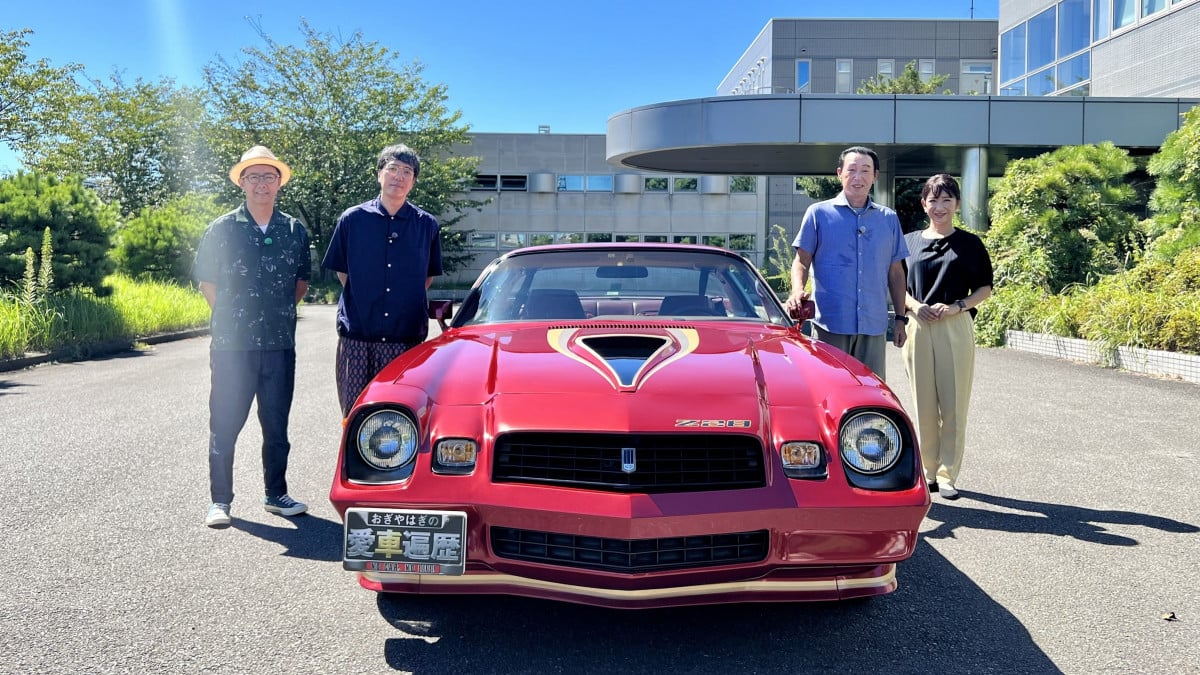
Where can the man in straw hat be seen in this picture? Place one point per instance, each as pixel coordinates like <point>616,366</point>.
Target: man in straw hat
<point>386,253</point>
<point>253,266</point>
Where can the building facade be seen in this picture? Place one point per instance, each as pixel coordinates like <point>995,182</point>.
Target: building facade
<point>835,56</point>
<point>1127,48</point>
<point>544,188</point>
<point>782,109</point>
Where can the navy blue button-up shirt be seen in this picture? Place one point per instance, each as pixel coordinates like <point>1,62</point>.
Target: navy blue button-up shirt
<point>386,259</point>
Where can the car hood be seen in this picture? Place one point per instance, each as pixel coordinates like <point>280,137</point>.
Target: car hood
<point>620,364</point>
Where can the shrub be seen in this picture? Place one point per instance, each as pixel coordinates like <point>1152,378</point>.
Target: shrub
<point>80,225</point>
<point>160,242</point>
<point>1064,218</point>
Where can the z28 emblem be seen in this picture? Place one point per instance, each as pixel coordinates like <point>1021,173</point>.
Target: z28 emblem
<point>714,424</point>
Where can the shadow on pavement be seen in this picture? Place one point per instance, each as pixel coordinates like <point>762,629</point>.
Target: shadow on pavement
<point>307,536</point>
<point>1042,518</point>
<point>938,619</point>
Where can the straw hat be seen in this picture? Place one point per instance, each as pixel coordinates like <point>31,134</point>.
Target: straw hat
<point>259,155</point>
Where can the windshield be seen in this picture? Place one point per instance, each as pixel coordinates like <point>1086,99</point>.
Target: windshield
<point>620,283</point>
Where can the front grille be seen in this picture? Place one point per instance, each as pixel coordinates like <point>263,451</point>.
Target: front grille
<point>630,555</point>
<point>666,463</point>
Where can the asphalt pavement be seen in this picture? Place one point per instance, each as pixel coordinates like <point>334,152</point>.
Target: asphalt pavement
<point>1072,549</point>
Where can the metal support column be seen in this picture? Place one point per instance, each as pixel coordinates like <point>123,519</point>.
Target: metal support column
<point>974,188</point>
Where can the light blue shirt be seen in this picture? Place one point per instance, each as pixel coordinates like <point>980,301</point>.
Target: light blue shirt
<point>851,255</point>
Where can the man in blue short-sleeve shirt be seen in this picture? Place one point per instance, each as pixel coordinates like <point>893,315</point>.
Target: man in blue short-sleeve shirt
<point>252,266</point>
<point>854,250</point>
<point>386,253</point>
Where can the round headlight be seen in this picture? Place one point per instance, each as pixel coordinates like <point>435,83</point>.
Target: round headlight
<point>387,440</point>
<point>871,443</point>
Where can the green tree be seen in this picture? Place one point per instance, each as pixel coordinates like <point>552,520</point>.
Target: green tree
<point>1064,218</point>
<point>909,82</point>
<point>1175,202</point>
<point>36,99</point>
<point>81,228</point>
<point>819,187</point>
<point>160,242</point>
<point>138,144</point>
<point>327,107</point>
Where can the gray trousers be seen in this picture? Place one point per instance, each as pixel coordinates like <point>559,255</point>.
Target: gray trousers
<point>870,349</point>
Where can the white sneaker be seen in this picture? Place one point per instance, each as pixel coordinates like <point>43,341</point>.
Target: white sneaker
<point>947,491</point>
<point>218,515</point>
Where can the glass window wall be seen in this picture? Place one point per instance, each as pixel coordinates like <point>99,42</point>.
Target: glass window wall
<point>1074,26</point>
<point>1041,39</point>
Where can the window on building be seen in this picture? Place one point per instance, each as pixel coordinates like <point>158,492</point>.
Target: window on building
<point>485,181</point>
<point>685,184</point>
<point>1152,6</point>
<point>1074,26</point>
<point>741,242</point>
<point>1124,13</point>
<point>570,183</point>
<point>1074,71</point>
<point>743,184</point>
<point>1012,53</point>
<point>717,240</point>
<point>568,238</point>
<point>541,239</point>
<point>625,238</point>
<point>513,239</point>
<point>1040,83</point>
<point>886,69</point>
<point>599,237</point>
<point>655,184</point>
<point>1013,89</point>
<point>976,78</point>
<point>845,76</point>
<point>655,238</point>
<point>685,239</point>
<point>514,182</point>
<point>803,76</point>
<point>926,69</point>
<point>483,240</point>
<point>1041,49</point>
<point>1101,18</point>
<point>1082,90</point>
<point>599,183</point>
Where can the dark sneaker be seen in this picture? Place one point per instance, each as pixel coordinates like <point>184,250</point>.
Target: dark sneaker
<point>948,492</point>
<point>218,515</point>
<point>284,505</point>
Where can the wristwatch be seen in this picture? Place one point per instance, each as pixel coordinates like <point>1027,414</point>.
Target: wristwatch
<point>901,318</point>
<point>962,306</point>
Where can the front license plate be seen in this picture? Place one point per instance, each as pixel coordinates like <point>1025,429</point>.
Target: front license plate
<point>402,541</point>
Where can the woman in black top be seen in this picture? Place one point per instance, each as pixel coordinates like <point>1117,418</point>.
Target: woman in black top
<point>949,273</point>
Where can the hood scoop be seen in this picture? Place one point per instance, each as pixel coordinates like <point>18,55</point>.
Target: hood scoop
<point>626,360</point>
<point>625,354</point>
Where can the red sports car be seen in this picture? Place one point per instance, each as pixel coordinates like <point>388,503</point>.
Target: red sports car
<point>627,425</point>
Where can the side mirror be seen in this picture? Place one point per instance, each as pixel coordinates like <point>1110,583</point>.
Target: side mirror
<point>440,311</point>
<point>806,311</point>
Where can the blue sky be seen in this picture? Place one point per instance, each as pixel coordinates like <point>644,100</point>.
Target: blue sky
<point>509,65</point>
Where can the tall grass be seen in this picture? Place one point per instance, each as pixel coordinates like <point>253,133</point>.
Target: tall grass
<point>77,319</point>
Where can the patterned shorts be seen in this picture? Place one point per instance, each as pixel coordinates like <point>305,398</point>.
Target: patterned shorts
<point>358,362</point>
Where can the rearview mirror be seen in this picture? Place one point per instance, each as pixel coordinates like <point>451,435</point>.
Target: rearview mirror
<point>622,272</point>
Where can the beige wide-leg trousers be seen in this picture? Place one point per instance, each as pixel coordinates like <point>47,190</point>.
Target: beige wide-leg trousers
<point>939,358</point>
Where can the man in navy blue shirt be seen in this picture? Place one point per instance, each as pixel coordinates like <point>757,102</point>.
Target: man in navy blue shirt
<point>386,253</point>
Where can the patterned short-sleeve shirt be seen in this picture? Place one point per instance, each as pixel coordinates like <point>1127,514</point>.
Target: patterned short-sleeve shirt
<point>255,275</point>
